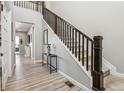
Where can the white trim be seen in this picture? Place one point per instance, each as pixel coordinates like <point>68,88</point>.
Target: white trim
<point>74,81</point>
<point>109,65</point>
<point>113,69</point>
<point>118,74</point>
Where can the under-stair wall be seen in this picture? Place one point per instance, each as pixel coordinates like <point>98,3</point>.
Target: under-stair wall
<point>66,62</point>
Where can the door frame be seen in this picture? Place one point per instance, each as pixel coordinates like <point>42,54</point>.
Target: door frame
<point>33,24</point>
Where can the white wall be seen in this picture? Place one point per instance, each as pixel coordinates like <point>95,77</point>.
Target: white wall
<point>27,15</point>
<point>6,19</point>
<point>98,18</point>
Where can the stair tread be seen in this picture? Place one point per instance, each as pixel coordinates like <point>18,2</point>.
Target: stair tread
<point>113,82</point>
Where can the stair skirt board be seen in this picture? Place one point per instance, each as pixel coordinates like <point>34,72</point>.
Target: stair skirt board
<point>84,88</point>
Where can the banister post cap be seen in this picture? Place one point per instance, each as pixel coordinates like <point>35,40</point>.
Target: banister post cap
<point>98,37</point>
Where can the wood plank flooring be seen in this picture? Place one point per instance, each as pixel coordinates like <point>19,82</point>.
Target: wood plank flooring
<point>34,77</point>
<point>114,83</point>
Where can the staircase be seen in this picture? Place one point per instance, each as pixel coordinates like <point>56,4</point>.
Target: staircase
<point>88,51</point>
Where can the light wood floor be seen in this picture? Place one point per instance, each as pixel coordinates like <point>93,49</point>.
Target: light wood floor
<point>114,83</point>
<point>33,77</point>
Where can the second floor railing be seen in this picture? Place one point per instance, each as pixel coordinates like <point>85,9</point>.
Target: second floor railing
<point>34,5</point>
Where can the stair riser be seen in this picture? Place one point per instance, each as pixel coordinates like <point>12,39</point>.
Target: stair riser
<point>106,73</point>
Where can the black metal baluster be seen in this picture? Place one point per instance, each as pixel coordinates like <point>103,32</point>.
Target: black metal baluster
<point>75,42</point>
<point>61,28</point>
<point>65,34</point>
<point>82,50</point>
<point>57,29</point>
<point>87,54</point>
<point>79,46</point>
<point>70,37</point>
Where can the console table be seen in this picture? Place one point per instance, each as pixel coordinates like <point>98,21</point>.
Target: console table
<point>49,62</point>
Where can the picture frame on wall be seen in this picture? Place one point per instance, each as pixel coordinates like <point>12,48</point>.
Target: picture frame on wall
<point>45,37</point>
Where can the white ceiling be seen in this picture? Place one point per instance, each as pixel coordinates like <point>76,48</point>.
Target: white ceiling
<point>23,27</point>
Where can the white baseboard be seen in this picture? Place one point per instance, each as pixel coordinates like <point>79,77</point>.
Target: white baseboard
<point>118,74</point>
<point>109,65</point>
<point>113,69</point>
<point>75,82</point>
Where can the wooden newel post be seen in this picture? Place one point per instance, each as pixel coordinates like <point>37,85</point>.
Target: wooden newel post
<point>98,83</point>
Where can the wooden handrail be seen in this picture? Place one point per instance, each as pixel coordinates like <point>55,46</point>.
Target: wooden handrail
<point>69,24</point>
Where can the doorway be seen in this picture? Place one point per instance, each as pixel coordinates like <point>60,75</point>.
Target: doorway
<point>24,40</point>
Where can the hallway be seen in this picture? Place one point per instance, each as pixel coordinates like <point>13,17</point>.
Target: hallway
<point>33,77</point>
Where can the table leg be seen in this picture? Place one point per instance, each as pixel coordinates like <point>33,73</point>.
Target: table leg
<point>50,65</point>
<point>42,59</point>
<point>56,64</point>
